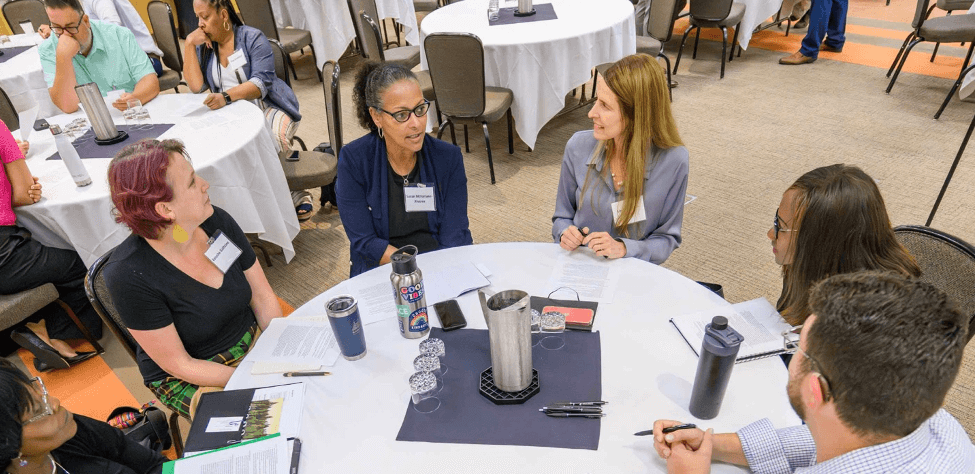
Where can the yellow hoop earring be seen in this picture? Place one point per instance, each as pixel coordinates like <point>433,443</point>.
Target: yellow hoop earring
<point>226,25</point>
<point>180,235</point>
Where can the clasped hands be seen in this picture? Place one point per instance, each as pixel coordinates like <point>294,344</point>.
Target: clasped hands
<point>600,242</point>
<point>686,451</point>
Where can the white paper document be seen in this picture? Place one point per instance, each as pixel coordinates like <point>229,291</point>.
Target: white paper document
<point>592,279</point>
<point>756,320</point>
<point>453,282</point>
<point>27,118</point>
<point>193,103</point>
<point>269,455</point>
<point>375,301</point>
<point>295,344</point>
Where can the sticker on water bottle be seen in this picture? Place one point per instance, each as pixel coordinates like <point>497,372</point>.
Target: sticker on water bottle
<point>418,320</point>
<point>413,293</point>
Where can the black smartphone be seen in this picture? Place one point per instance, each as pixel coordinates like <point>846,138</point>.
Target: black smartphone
<point>293,156</point>
<point>40,124</point>
<point>450,315</point>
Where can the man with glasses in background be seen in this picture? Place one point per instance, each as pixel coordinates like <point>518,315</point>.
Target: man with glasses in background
<point>876,359</point>
<point>83,51</point>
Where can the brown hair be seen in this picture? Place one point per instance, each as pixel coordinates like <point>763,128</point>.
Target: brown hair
<point>889,346</point>
<point>841,227</point>
<point>641,88</point>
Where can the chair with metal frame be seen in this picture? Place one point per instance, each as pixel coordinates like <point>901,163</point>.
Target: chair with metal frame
<point>258,13</point>
<point>457,65</point>
<point>712,14</point>
<point>945,29</point>
<point>101,299</point>
<point>947,263</point>
<point>17,11</point>
<point>407,56</point>
<point>164,33</point>
<point>949,6</point>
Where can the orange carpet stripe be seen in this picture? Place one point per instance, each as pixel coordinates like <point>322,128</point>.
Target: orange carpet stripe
<point>90,388</point>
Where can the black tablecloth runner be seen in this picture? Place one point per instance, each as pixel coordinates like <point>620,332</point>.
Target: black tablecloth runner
<point>507,16</point>
<point>87,148</point>
<point>10,53</point>
<point>465,416</point>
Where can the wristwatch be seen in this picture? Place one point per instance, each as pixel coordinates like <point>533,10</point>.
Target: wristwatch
<point>227,97</point>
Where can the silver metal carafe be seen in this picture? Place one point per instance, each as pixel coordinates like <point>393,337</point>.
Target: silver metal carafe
<point>98,114</point>
<point>525,6</point>
<point>508,318</point>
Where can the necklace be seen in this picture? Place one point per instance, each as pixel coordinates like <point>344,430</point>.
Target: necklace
<point>407,175</point>
<point>617,184</point>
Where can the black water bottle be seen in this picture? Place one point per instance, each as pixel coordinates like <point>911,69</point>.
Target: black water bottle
<point>716,359</point>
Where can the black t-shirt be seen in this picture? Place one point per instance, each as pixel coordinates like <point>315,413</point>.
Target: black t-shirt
<point>98,448</point>
<point>150,293</point>
<point>407,228</point>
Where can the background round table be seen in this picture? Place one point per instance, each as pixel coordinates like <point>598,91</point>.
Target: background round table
<point>541,61</point>
<point>237,158</point>
<point>352,417</point>
<point>22,78</point>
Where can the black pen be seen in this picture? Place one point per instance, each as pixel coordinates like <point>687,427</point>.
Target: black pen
<point>581,404</point>
<point>571,410</point>
<point>670,429</point>
<point>305,374</point>
<point>575,415</point>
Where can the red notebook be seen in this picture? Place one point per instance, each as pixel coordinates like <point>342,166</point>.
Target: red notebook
<point>580,314</point>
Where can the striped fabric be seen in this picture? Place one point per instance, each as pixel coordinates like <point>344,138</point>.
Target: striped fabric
<point>282,127</point>
<point>176,394</point>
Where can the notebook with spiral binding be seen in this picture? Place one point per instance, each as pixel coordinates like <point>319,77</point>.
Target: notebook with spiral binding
<point>756,320</point>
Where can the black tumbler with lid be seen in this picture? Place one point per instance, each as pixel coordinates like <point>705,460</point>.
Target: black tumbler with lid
<point>716,359</point>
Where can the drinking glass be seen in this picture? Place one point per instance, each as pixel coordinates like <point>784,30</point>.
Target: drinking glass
<point>433,345</point>
<point>430,363</point>
<point>493,10</point>
<point>423,388</point>
<point>551,326</point>
<point>136,115</point>
<point>534,327</point>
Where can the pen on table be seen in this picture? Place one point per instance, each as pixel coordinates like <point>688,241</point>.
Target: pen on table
<point>667,430</point>
<point>574,415</point>
<point>572,410</point>
<point>581,404</point>
<point>305,374</point>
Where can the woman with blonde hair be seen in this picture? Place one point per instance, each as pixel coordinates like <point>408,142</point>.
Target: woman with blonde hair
<point>622,186</point>
<point>832,220</point>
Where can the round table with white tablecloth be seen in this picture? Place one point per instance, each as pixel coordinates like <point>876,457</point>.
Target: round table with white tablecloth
<point>230,147</point>
<point>351,418</point>
<point>332,26</point>
<point>22,78</point>
<point>541,61</point>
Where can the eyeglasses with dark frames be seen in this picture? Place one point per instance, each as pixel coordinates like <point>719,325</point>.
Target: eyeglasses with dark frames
<point>46,409</point>
<point>776,226</point>
<point>70,29</point>
<point>402,116</point>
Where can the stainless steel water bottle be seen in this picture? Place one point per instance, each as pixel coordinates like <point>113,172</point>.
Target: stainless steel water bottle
<point>716,359</point>
<point>408,286</point>
<point>70,157</point>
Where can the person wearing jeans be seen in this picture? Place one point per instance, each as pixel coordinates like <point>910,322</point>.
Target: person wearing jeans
<point>828,17</point>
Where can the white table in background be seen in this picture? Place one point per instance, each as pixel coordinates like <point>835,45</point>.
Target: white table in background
<point>541,61</point>
<point>352,417</point>
<point>237,158</point>
<point>22,78</point>
<point>754,14</point>
<point>332,26</point>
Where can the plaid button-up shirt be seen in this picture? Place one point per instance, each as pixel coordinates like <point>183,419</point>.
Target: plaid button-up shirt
<point>939,445</point>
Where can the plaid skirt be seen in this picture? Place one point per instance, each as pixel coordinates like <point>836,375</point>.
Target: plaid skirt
<point>176,394</point>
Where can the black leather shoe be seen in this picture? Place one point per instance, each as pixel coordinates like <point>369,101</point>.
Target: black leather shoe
<point>80,357</point>
<point>44,354</point>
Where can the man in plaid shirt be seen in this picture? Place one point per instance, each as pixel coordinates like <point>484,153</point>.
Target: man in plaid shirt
<point>875,360</point>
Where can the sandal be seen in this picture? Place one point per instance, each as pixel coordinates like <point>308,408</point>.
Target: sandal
<point>303,211</point>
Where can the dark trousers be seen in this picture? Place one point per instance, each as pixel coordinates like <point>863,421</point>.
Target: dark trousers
<point>26,264</point>
<point>828,17</point>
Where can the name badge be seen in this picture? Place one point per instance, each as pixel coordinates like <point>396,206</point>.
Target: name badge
<point>222,251</point>
<point>236,60</point>
<point>419,198</point>
<point>639,212</point>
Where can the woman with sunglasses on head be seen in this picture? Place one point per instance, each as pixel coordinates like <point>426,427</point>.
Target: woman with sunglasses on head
<point>394,158</point>
<point>832,220</point>
<point>207,54</point>
<point>622,186</point>
<point>39,436</point>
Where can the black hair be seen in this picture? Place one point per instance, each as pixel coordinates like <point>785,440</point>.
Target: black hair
<point>226,4</point>
<point>62,4</point>
<point>890,347</point>
<point>16,401</point>
<point>371,81</point>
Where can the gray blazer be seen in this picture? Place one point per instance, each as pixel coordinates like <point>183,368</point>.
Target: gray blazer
<point>653,239</point>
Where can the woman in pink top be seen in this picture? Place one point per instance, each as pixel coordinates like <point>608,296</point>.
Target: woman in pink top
<point>26,264</point>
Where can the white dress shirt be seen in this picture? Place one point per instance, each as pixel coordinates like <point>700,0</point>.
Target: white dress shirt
<point>122,13</point>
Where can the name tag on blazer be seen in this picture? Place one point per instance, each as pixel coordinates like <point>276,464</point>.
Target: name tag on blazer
<point>236,60</point>
<point>222,251</point>
<point>419,198</point>
<point>639,212</point>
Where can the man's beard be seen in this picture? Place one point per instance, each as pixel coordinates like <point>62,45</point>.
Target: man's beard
<point>794,395</point>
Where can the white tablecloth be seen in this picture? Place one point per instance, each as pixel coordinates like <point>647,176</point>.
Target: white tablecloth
<point>754,14</point>
<point>541,61</point>
<point>22,79</point>
<point>352,417</point>
<point>237,158</point>
<point>331,24</point>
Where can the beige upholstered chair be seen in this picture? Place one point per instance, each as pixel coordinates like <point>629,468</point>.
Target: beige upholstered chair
<point>98,294</point>
<point>949,6</point>
<point>456,62</point>
<point>945,29</point>
<point>18,11</point>
<point>258,13</point>
<point>712,14</point>
<point>164,32</point>
<point>17,307</point>
<point>661,22</point>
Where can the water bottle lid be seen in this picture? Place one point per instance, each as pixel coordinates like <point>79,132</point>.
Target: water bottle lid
<point>55,129</point>
<point>403,261</point>
<point>719,323</point>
